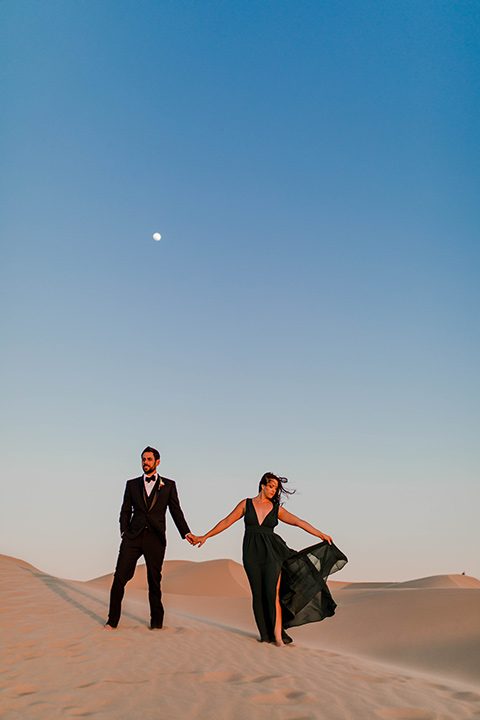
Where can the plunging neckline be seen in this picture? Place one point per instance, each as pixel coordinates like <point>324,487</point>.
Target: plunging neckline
<point>256,514</point>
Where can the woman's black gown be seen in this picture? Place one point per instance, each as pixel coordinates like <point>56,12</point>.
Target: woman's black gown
<point>304,595</point>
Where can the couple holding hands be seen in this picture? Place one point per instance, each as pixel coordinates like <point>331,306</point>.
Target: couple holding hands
<point>288,588</point>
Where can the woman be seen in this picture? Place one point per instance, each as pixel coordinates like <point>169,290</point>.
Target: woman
<point>288,588</point>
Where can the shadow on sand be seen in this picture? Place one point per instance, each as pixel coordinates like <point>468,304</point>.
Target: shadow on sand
<point>64,590</point>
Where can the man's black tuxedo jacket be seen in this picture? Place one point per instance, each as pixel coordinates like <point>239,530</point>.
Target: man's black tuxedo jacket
<point>135,515</point>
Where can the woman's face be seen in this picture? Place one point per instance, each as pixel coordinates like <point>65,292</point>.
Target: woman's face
<point>270,488</point>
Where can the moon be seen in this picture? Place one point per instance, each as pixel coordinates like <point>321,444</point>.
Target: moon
<point>157,236</point>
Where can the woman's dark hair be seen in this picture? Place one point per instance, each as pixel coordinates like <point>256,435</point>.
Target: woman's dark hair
<point>281,490</point>
<point>149,449</point>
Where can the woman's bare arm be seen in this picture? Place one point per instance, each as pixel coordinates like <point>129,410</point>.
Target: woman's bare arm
<point>235,515</point>
<point>290,519</point>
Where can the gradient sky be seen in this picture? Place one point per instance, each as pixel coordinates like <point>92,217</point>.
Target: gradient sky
<point>312,308</point>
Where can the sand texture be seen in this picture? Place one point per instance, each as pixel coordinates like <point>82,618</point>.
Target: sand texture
<point>397,651</point>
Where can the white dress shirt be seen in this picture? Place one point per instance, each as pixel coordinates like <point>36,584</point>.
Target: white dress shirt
<point>149,485</point>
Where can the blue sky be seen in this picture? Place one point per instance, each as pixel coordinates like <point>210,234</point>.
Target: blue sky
<point>312,307</point>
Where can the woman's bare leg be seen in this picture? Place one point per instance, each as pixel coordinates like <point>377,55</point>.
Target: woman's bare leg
<point>278,616</point>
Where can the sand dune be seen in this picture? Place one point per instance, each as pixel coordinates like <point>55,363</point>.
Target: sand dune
<point>224,578</point>
<point>442,581</point>
<point>433,581</point>
<point>394,650</point>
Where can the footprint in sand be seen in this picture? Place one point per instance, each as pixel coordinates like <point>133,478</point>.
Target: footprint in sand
<point>264,678</point>
<point>283,697</point>
<point>126,681</point>
<point>23,645</point>
<point>32,656</point>
<point>22,688</point>
<point>463,695</point>
<point>405,714</point>
<point>181,630</point>
<point>77,712</point>
<point>226,677</point>
<point>168,630</point>
<point>222,677</point>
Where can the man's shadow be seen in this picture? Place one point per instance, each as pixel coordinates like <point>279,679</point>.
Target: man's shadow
<point>62,589</point>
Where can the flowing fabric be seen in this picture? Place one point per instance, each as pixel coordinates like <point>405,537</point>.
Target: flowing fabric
<point>304,595</point>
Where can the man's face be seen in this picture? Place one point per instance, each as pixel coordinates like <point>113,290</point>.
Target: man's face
<point>149,463</point>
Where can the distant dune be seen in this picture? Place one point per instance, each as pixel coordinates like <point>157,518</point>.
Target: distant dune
<point>393,650</point>
<point>213,578</point>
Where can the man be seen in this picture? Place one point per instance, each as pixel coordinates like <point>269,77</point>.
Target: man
<point>142,525</point>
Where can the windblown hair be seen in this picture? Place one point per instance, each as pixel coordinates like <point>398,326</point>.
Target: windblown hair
<point>282,492</point>
<point>156,454</point>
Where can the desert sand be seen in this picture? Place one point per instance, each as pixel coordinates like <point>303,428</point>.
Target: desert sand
<point>393,650</point>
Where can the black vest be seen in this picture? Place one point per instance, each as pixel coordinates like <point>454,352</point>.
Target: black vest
<point>149,502</point>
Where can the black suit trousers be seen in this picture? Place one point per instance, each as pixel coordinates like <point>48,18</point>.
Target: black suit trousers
<point>152,548</point>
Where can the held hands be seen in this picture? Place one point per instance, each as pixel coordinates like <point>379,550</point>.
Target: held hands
<point>194,540</point>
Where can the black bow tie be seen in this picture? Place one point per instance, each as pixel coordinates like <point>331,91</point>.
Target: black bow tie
<point>150,479</point>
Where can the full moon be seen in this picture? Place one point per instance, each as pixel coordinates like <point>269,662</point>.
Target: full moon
<point>157,236</point>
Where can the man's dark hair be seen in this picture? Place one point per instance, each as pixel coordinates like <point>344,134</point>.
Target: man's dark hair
<point>156,454</point>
